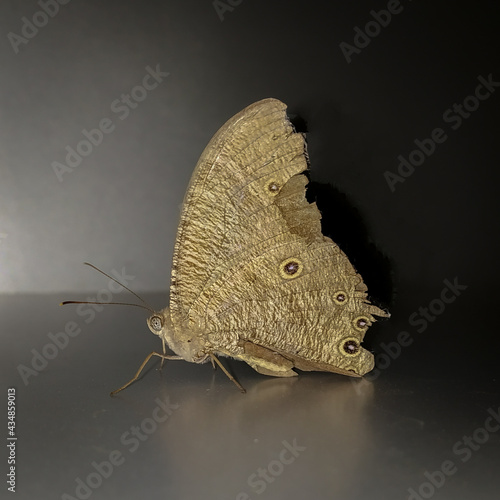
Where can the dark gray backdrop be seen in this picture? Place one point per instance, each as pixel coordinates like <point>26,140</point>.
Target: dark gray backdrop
<point>119,206</point>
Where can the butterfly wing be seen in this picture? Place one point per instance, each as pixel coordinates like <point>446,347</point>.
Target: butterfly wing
<point>251,266</point>
<point>251,146</point>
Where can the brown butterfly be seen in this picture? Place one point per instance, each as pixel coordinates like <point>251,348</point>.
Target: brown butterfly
<point>253,277</point>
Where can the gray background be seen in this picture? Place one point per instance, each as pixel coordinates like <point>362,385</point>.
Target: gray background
<point>119,210</point>
<point>120,206</point>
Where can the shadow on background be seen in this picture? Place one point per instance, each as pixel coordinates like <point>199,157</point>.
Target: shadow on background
<point>342,222</point>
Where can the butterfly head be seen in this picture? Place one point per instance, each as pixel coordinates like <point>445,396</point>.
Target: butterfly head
<point>185,342</point>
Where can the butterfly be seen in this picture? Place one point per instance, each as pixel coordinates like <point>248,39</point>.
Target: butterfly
<point>253,277</point>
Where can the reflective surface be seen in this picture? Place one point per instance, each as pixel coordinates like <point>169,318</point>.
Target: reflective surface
<point>187,432</point>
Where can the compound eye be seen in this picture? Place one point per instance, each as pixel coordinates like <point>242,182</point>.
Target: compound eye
<point>156,323</point>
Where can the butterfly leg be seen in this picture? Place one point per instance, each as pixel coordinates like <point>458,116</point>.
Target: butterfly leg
<point>230,377</point>
<point>136,376</point>
<point>164,350</point>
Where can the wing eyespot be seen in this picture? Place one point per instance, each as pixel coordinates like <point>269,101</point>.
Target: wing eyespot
<point>291,268</point>
<point>340,298</point>
<point>361,323</point>
<point>273,188</point>
<point>349,347</point>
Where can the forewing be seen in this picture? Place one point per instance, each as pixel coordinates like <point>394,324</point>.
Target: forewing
<point>230,183</point>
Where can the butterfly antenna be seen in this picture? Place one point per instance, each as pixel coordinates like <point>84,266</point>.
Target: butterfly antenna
<point>145,306</point>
